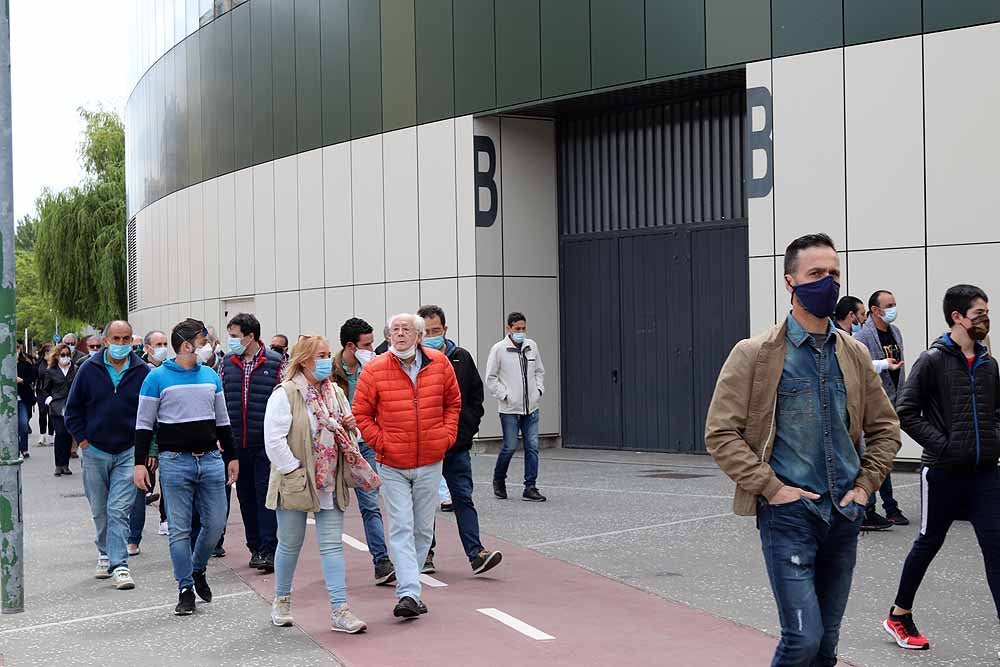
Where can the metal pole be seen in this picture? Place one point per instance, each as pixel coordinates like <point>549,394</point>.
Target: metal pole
<point>11,518</point>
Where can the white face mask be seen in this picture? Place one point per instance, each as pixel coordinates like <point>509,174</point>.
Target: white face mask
<point>404,354</point>
<point>204,353</point>
<point>65,361</point>
<point>160,354</point>
<point>364,356</point>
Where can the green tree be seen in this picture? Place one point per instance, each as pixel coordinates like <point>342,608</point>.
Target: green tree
<point>80,246</point>
<point>35,310</point>
<point>26,233</point>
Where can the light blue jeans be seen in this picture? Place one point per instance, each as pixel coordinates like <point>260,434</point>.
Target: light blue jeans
<point>329,532</point>
<point>186,479</point>
<point>411,499</point>
<point>107,483</point>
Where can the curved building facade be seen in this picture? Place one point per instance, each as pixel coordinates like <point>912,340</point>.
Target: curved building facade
<point>625,172</point>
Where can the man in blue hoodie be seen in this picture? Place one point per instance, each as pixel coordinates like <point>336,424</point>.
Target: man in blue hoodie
<point>100,414</point>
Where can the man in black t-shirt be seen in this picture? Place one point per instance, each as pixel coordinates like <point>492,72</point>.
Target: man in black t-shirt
<point>885,343</point>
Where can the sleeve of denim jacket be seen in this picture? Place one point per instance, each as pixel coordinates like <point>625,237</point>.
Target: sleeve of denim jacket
<point>725,426</point>
<point>880,427</point>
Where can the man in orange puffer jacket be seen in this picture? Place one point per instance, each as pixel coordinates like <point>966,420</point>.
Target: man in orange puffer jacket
<point>407,406</point>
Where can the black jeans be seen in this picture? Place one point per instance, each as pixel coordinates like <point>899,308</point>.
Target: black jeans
<point>45,425</point>
<point>948,496</point>
<point>261,524</point>
<point>63,441</point>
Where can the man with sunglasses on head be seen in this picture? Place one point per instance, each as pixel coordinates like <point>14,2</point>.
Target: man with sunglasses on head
<point>182,402</point>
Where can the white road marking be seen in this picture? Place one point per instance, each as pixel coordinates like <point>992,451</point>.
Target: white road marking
<point>71,621</point>
<point>517,624</point>
<point>568,540</point>
<point>428,580</point>
<point>351,542</point>
<point>641,493</point>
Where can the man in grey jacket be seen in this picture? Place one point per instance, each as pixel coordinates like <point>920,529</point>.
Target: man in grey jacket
<point>515,377</point>
<point>885,344</point>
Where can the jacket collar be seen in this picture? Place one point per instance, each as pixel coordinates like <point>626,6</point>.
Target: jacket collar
<point>798,335</point>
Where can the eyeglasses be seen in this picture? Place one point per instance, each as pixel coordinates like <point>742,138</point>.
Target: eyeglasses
<point>93,347</point>
<point>64,356</point>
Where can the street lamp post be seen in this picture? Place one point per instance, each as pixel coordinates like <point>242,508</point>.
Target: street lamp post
<point>11,518</point>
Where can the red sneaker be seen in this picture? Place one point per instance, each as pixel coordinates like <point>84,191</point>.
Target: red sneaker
<point>905,633</point>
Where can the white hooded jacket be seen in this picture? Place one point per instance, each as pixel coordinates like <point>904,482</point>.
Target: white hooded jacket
<point>515,377</point>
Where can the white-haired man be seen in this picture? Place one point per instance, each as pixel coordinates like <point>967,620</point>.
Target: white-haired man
<point>407,406</point>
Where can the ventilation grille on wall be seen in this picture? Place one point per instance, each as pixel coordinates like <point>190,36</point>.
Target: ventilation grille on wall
<point>133,282</point>
<point>670,163</point>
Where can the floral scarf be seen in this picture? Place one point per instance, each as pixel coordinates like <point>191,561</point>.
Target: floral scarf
<point>331,441</point>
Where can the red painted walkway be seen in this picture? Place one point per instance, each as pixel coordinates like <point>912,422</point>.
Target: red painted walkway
<point>594,620</point>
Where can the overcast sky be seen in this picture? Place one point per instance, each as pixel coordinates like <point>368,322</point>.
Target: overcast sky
<point>64,54</point>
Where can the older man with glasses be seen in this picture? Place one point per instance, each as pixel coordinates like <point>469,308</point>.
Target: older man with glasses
<point>407,405</point>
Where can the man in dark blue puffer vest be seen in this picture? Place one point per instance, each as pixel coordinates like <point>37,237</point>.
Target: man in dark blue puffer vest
<point>249,374</point>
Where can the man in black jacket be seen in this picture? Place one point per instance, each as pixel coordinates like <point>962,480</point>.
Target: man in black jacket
<point>457,467</point>
<point>950,407</point>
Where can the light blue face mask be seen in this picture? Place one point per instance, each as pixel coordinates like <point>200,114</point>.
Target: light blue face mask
<point>434,342</point>
<point>236,345</point>
<point>890,315</point>
<point>855,328</point>
<point>518,337</point>
<point>119,352</point>
<point>323,370</point>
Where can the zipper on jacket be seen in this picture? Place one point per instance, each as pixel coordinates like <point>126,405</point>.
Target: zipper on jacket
<point>524,376</point>
<point>975,409</point>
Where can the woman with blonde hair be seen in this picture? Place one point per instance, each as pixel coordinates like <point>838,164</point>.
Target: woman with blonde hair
<point>310,437</point>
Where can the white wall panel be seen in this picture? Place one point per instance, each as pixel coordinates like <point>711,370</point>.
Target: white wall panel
<point>490,327</point>
<point>369,305</point>
<point>402,298</point>
<point>962,105</point>
<point>399,164</point>
<point>885,144</point>
<point>530,243</point>
<point>809,147</point>
<point>227,235</point>
<point>761,293</point>
<point>196,220</point>
<point>760,210</point>
<point>310,233</point>
<point>338,233</point>
<point>466,316</point>
<point>210,196</point>
<point>465,196</point>
<point>339,308</point>
<point>538,299</point>
<point>213,317</point>
<point>171,249</point>
<point>438,233</point>
<point>244,194</point>
<point>287,316</point>
<point>185,239</point>
<point>286,224</point>
<point>312,313</point>
<point>367,210</point>
<point>263,227</point>
<point>266,310</point>
<point>953,265</point>
<point>443,293</point>
<point>489,240</point>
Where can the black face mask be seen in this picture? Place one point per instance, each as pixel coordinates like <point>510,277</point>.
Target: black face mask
<point>980,328</point>
<point>277,348</point>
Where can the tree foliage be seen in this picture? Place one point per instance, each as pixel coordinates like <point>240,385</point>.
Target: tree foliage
<point>35,310</point>
<point>80,245</point>
<point>26,233</point>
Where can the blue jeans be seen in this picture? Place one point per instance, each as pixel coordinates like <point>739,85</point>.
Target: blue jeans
<point>411,500</point>
<point>23,426</point>
<point>185,480</point>
<point>457,471</point>
<point>889,503</point>
<point>528,426</point>
<point>107,483</point>
<point>810,564</point>
<point>371,515</point>
<point>137,517</point>
<point>196,520</point>
<point>251,488</point>
<point>291,533</point>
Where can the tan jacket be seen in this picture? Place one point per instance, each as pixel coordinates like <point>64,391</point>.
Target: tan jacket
<point>740,427</point>
<point>297,489</point>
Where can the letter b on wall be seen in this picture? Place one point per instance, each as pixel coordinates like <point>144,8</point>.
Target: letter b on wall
<point>759,140</point>
<point>485,179</point>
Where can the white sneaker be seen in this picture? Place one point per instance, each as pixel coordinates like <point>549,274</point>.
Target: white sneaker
<point>281,611</point>
<point>133,550</point>
<point>101,571</point>
<point>164,528</point>
<point>342,619</point>
<point>122,579</point>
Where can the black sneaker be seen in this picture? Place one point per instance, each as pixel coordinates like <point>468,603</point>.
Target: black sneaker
<point>897,519</point>
<point>385,572</point>
<point>28,456</point>
<point>407,608</point>
<point>532,494</point>
<point>500,489</point>
<point>256,560</point>
<point>67,471</point>
<point>421,606</point>
<point>428,567</point>
<point>219,552</point>
<point>58,471</point>
<point>268,566</point>
<point>185,602</point>
<point>201,586</point>
<point>875,522</point>
<point>447,507</point>
<point>486,560</point>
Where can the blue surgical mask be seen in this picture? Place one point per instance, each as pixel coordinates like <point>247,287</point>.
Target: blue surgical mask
<point>72,348</point>
<point>518,337</point>
<point>119,352</point>
<point>324,367</point>
<point>855,328</point>
<point>819,297</point>
<point>434,342</point>
<point>890,315</point>
<point>236,345</point>
<point>94,353</point>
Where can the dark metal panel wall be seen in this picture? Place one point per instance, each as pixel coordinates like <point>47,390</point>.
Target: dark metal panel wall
<point>661,165</point>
